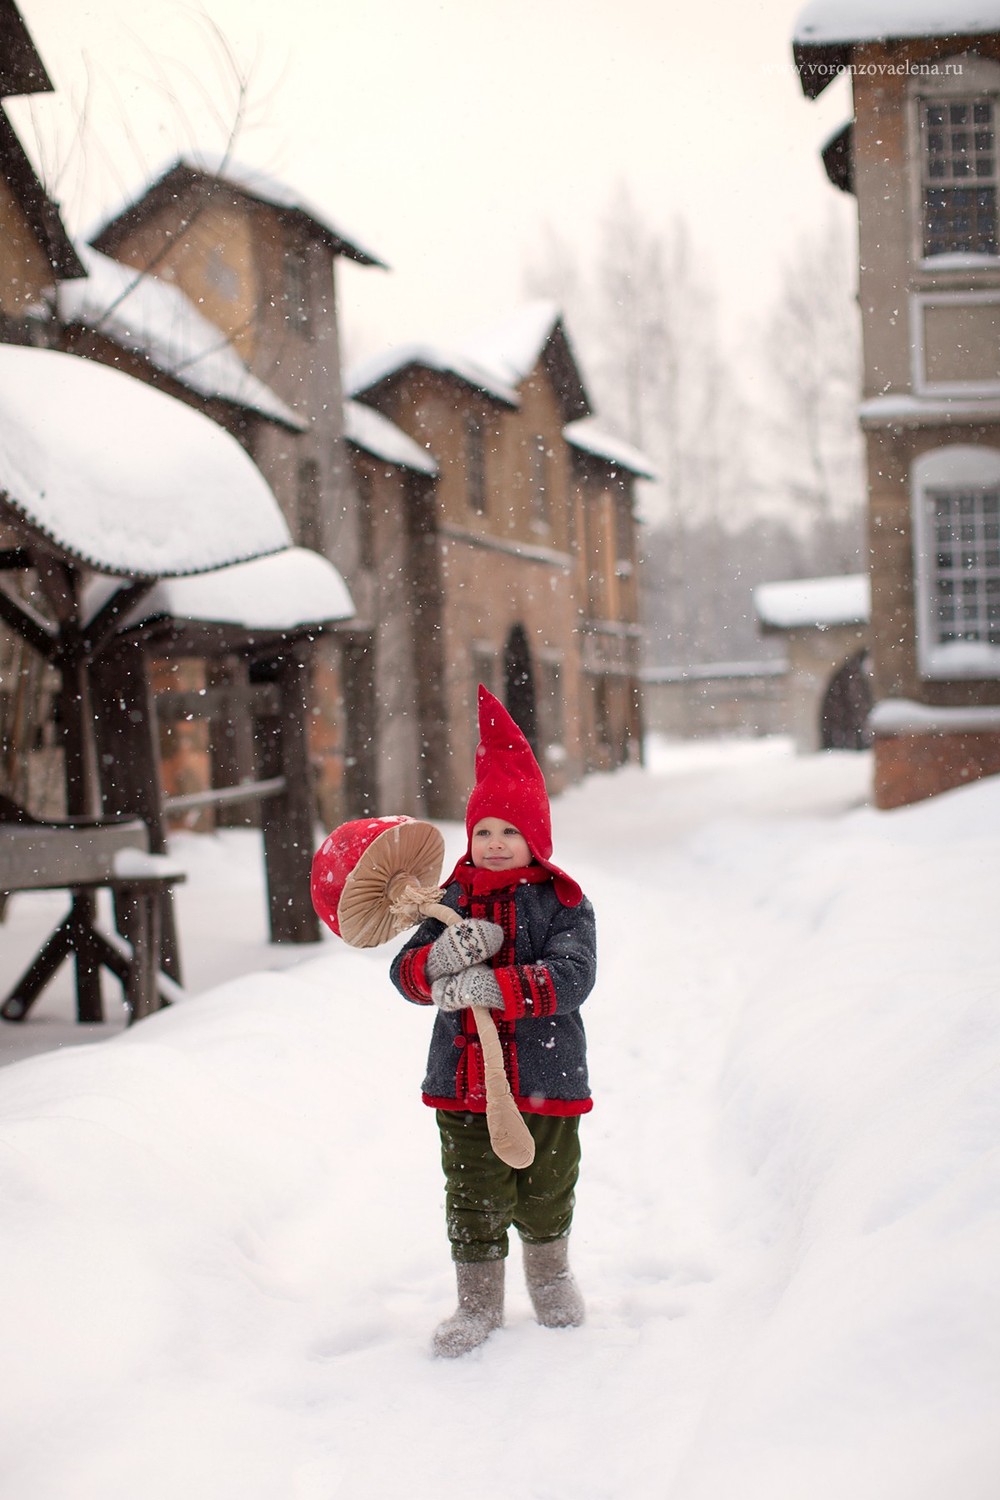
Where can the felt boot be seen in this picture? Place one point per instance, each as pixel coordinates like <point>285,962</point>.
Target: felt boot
<point>554,1294</point>
<point>479,1311</point>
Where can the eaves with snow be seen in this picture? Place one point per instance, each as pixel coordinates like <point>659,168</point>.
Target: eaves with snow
<point>818,603</point>
<point>587,436</point>
<point>827,30</point>
<point>371,432</point>
<point>496,364</point>
<point>535,333</point>
<point>111,473</point>
<point>205,170</point>
<point>366,378</point>
<point>285,593</point>
<point>154,319</point>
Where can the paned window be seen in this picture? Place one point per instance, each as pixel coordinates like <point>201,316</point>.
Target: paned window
<point>957,555</point>
<point>966,581</point>
<point>959,176</point>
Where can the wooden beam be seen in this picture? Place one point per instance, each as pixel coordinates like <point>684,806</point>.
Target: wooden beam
<point>28,624</point>
<point>98,632</point>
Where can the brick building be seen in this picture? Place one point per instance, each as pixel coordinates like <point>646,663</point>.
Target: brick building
<point>921,157</point>
<point>523,552</point>
<point>259,263</point>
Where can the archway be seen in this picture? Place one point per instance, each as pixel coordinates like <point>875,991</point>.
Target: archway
<point>519,685</point>
<point>847,703</point>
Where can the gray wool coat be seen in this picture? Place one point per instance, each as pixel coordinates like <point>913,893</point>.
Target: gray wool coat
<point>546,969</point>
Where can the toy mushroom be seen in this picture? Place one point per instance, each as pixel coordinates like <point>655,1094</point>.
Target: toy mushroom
<point>371,880</point>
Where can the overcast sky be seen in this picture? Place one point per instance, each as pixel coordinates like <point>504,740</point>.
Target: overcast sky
<point>446,134</point>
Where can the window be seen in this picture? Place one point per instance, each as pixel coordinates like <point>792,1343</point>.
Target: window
<point>551,706</point>
<point>310,528</point>
<point>955,119</point>
<point>956,497</point>
<point>296,289</point>
<point>220,275</point>
<point>483,668</point>
<point>539,480</point>
<point>475,464</point>
<point>959,176</point>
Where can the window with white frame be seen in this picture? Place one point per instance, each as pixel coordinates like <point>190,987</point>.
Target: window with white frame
<point>957,119</point>
<point>960,176</point>
<point>956,499</point>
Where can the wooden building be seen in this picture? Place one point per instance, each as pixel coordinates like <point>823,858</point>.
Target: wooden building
<point>35,254</point>
<point>522,553</point>
<point>484,525</point>
<point>921,156</point>
<point>150,330</point>
<point>35,250</point>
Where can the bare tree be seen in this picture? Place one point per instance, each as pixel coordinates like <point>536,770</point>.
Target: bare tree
<point>812,344</point>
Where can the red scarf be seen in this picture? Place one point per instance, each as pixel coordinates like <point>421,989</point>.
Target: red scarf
<point>481,882</point>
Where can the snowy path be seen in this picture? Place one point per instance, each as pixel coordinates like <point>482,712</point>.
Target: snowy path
<point>225,1227</point>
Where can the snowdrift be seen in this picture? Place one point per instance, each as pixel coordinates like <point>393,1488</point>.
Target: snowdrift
<point>222,1232</point>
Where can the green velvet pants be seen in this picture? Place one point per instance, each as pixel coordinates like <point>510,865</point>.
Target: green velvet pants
<point>484,1197</point>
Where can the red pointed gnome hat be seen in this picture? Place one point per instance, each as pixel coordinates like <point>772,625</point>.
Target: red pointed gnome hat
<point>510,784</point>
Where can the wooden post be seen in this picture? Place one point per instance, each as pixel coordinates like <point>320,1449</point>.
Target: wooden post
<point>288,820</point>
<point>128,763</point>
<point>230,738</point>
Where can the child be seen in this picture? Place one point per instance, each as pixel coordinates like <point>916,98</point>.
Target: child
<point>526,948</point>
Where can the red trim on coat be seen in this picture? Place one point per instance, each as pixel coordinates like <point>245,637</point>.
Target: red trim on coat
<point>530,1106</point>
<point>527,990</point>
<point>413,975</point>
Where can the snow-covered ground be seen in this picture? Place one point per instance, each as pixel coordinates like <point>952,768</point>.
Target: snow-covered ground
<point>222,1232</point>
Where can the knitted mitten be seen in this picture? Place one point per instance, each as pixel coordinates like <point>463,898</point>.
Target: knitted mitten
<point>479,1311</point>
<point>471,941</point>
<point>554,1294</point>
<point>475,986</point>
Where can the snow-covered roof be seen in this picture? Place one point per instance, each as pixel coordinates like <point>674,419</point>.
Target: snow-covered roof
<point>821,602</point>
<point>283,592</point>
<point>826,30</point>
<point>255,184</point>
<point>123,478</point>
<point>368,429</point>
<point>823,22</point>
<point>375,371</point>
<point>514,347</point>
<point>589,437</point>
<point>534,333</point>
<point>152,318</point>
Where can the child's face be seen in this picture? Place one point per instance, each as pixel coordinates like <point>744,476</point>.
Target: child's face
<point>497,845</point>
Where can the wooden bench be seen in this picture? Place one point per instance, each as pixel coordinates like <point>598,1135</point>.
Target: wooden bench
<point>84,856</point>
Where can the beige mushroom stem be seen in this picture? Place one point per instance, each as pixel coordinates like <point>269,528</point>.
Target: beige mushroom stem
<point>509,1135</point>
